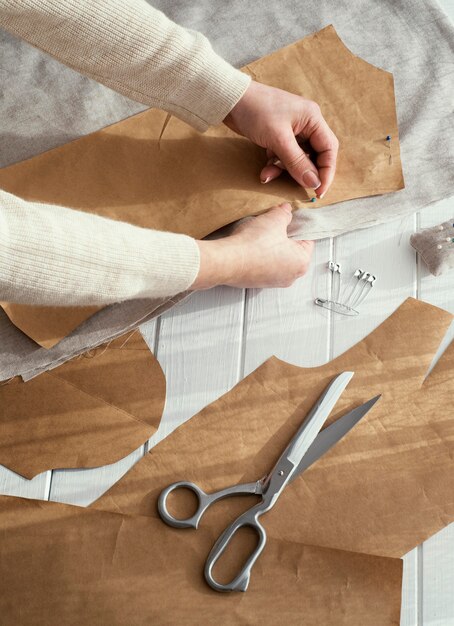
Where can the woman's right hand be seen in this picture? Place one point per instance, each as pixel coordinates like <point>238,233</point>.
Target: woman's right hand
<point>258,254</point>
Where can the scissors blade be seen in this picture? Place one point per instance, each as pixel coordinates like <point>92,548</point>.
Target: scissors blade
<point>332,435</point>
<point>311,426</point>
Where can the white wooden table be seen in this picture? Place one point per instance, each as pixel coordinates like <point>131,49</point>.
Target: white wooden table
<point>210,342</point>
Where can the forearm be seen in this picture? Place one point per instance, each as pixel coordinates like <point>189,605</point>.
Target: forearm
<point>134,49</point>
<point>50,255</point>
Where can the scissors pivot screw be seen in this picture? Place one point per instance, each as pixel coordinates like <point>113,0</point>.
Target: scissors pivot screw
<point>281,473</point>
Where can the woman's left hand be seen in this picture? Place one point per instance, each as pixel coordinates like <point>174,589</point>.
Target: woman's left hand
<point>274,119</point>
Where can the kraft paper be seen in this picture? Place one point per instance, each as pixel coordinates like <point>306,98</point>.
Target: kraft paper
<point>333,536</point>
<point>62,564</point>
<point>170,177</point>
<point>88,412</point>
<point>385,488</point>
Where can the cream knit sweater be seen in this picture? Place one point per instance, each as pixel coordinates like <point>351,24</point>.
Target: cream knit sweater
<point>51,255</point>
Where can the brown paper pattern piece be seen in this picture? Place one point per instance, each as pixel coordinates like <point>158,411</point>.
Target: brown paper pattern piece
<point>61,564</point>
<point>90,411</point>
<point>194,183</point>
<point>385,488</point>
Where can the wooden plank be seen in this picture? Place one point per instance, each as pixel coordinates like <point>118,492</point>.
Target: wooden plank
<point>199,347</point>
<point>436,575</point>
<point>409,610</point>
<point>286,323</point>
<point>383,251</point>
<point>83,486</point>
<point>437,607</point>
<point>11,484</point>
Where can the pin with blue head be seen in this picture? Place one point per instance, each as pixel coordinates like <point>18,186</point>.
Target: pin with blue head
<point>388,143</point>
<point>313,199</point>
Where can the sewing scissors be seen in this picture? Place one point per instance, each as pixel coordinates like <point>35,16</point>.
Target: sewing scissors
<point>306,447</point>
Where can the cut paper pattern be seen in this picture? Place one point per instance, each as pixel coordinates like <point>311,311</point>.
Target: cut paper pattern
<point>382,490</point>
<point>333,539</point>
<point>193,183</point>
<point>62,564</point>
<point>88,412</point>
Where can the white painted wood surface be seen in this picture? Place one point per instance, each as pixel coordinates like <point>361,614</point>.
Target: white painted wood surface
<point>211,341</point>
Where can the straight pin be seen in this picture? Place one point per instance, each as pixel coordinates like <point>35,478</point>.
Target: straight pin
<point>388,141</point>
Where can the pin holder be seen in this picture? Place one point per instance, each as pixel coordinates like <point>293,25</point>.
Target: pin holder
<point>354,293</point>
<point>435,246</point>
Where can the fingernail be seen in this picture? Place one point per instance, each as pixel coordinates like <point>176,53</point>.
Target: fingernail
<point>322,195</point>
<point>267,180</point>
<point>278,162</point>
<point>311,180</point>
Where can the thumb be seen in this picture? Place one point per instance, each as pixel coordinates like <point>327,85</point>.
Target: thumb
<point>297,163</point>
<point>281,215</point>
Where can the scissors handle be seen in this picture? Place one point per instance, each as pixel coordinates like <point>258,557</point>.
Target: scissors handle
<point>204,500</point>
<point>241,581</point>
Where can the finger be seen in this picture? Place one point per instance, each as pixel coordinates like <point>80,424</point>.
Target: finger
<point>273,159</point>
<point>325,143</point>
<point>296,161</point>
<point>276,161</point>
<point>269,173</point>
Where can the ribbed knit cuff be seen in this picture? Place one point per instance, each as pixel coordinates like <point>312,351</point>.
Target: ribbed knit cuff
<point>54,256</point>
<point>222,87</point>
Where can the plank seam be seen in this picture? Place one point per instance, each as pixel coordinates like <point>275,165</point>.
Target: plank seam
<point>419,586</point>
<point>330,330</point>
<point>243,337</point>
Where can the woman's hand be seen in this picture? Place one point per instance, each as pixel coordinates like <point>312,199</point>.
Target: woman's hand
<point>257,254</point>
<point>274,119</point>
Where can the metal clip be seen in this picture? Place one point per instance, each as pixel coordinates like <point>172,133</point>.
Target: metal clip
<point>335,269</point>
<point>354,294</point>
<point>336,307</point>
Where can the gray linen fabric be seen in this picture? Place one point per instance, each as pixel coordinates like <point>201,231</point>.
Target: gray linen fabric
<point>44,104</point>
<point>20,355</point>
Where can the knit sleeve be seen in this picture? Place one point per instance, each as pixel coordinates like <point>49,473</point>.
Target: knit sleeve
<point>51,255</point>
<point>134,49</point>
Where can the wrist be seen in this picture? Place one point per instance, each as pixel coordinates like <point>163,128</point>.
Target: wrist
<point>220,263</point>
<point>241,108</point>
